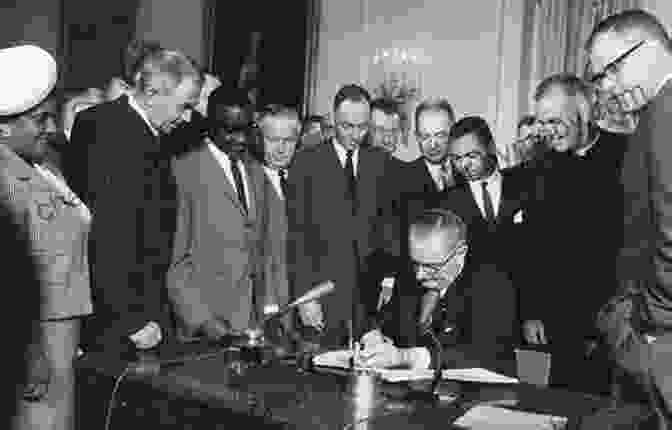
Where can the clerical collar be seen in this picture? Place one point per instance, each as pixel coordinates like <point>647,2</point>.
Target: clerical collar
<point>494,177</point>
<point>581,152</point>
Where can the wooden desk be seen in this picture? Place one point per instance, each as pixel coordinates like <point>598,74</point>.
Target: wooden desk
<point>203,394</point>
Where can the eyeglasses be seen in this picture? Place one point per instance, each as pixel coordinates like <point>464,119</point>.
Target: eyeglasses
<point>612,67</point>
<point>469,156</point>
<point>433,269</point>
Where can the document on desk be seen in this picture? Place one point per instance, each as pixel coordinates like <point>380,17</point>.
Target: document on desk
<point>492,417</point>
<point>341,359</point>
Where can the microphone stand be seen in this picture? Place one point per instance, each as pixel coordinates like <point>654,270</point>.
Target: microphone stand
<point>431,395</point>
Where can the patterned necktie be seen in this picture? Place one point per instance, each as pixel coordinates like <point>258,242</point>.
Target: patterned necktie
<point>352,180</point>
<point>283,181</point>
<point>487,204</point>
<point>238,179</point>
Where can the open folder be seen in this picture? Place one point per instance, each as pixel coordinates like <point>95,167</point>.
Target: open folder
<point>341,359</point>
<point>492,417</point>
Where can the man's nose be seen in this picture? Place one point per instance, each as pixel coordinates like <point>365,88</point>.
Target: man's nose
<point>49,125</point>
<point>186,116</point>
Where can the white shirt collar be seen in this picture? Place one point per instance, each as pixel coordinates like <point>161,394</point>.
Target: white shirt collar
<point>274,176</point>
<point>342,154</point>
<point>136,107</point>
<point>581,152</point>
<point>494,178</point>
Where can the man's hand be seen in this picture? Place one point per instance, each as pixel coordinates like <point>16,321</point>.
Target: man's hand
<point>383,354</point>
<point>148,337</point>
<point>533,331</point>
<point>215,329</point>
<point>311,315</point>
<point>372,338</point>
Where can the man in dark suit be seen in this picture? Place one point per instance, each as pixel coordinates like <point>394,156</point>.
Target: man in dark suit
<point>426,177</point>
<point>428,300</point>
<point>216,280</point>
<point>432,172</point>
<point>280,129</point>
<point>631,60</point>
<point>335,201</point>
<point>573,218</point>
<point>491,204</point>
<point>116,165</point>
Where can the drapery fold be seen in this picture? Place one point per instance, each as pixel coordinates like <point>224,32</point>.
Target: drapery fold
<point>554,36</point>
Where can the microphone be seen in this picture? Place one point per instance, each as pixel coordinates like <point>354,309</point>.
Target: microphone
<point>429,301</point>
<point>314,293</point>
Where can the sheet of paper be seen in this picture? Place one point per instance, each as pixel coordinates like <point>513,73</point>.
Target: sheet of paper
<point>492,417</point>
<point>340,359</point>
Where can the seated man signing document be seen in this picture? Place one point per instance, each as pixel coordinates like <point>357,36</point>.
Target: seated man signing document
<point>428,300</point>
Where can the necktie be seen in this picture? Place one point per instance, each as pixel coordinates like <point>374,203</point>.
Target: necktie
<point>487,204</point>
<point>352,181</point>
<point>283,182</point>
<point>238,179</point>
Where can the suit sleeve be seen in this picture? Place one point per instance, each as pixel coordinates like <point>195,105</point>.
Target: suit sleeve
<point>186,298</point>
<point>661,189</point>
<point>298,218</point>
<point>76,156</point>
<point>116,199</point>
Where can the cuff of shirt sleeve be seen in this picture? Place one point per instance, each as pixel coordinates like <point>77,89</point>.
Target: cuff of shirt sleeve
<point>418,358</point>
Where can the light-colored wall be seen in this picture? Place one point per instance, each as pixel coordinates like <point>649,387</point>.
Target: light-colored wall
<point>177,24</point>
<point>459,45</point>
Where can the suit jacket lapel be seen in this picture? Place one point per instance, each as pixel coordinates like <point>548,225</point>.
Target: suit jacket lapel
<point>470,202</point>
<point>215,175</point>
<point>254,188</point>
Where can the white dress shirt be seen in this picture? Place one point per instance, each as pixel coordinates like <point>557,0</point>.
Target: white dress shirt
<point>225,162</point>
<point>436,173</point>
<point>343,155</point>
<point>136,107</point>
<point>274,176</point>
<point>494,188</point>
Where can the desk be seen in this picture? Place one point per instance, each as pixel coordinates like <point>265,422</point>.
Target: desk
<point>202,394</point>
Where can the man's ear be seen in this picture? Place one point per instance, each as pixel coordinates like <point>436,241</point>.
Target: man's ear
<point>5,131</point>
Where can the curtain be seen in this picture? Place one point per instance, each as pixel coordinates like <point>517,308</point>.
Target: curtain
<point>553,38</point>
<point>313,22</point>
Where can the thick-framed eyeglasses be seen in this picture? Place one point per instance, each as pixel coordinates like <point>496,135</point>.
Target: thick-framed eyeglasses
<point>348,127</point>
<point>472,156</point>
<point>612,67</point>
<point>433,269</point>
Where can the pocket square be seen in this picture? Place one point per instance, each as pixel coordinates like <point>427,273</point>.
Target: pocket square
<point>518,217</point>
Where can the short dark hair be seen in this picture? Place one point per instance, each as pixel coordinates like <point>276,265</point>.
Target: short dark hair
<point>437,105</point>
<point>227,96</point>
<point>387,106</point>
<point>630,21</point>
<point>353,93</point>
<point>526,121</point>
<point>478,127</point>
<point>431,221</point>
